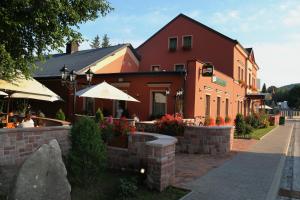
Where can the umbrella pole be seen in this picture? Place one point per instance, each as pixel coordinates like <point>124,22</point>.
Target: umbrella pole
<point>7,111</point>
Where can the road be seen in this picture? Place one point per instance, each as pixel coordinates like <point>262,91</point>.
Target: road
<point>290,181</point>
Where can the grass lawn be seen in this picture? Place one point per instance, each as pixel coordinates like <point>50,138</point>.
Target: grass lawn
<point>259,133</point>
<point>107,188</point>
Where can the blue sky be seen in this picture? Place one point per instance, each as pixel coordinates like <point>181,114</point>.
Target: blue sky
<point>271,27</point>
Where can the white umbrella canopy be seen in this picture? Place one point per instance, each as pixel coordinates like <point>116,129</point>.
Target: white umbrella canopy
<point>105,91</point>
<point>26,86</point>
<point>265,107</point>
<point>21,95</point>
<point>3,93</point>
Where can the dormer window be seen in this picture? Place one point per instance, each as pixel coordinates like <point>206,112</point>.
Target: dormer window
<point>172,44</point>
<point>155,68</point>
<point>187,42</point>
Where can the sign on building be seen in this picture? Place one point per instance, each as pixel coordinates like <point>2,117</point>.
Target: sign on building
<point>207,70</point>
<point>218,81</point>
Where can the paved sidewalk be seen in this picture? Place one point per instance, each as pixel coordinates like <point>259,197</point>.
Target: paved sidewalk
<point>251,175</point>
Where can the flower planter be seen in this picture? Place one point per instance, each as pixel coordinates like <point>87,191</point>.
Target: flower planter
<point>120,141</point>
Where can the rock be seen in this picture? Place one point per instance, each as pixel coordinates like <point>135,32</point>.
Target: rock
<point>43,176</point>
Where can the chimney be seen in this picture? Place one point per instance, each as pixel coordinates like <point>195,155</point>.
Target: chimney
<point>72,47</point>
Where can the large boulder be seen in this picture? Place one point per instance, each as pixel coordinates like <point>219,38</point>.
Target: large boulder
<point>43,176</point>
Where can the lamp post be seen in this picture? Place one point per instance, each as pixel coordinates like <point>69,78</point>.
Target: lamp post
<point>179,94</point>
<point>68,79</point>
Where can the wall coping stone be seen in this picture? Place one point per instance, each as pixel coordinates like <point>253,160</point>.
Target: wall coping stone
<point>159,139</point>
<point>210,127</point>
<point>33,129</point>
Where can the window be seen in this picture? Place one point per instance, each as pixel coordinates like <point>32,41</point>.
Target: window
<point>249,79</point>
<point>155,68</point>
<point>242,74</point>
<point>207,105</point>
<point>179,68</point>
<point>187,42</point>
<point>238,107</point>
<point>89,104</point>
<point>239,73</point>
<point>173,44</point>
<point>159,103</point>
<point>218,106</point>
<point>226,107</point>
<point>241,107</point>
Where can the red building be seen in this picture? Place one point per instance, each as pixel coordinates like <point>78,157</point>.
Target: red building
<point>164,73</point>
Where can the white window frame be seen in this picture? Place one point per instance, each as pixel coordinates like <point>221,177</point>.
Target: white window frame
<point>151,68</point>
<point>151,98</point>
<point>182,40</point>
<point>176,42</point>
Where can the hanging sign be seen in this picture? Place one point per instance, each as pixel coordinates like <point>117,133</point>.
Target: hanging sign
<point>218,81</point>
<point>208,70</point>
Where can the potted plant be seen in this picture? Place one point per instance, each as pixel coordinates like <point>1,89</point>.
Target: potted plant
<point>227,120</point>
<point>209,121</point>
<point>220,121</point>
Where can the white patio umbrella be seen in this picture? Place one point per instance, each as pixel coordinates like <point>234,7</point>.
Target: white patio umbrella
<point>105,91</point>
<point>3,93</point>
<point>27,88</point>
<point>265,107</point>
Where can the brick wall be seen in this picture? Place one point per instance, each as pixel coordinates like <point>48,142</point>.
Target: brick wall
<point>17,144</point>
<point>154,152</point>
<point>206,140</point>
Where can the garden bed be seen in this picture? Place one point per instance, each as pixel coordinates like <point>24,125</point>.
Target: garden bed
<point>257,134</point>
<point>107,187</point>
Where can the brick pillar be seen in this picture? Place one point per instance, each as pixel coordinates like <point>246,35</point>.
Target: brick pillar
<point>160,166</point>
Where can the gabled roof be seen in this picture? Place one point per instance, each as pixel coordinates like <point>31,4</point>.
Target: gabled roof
<point>249,50</point>
<point>76,61</point>
<point>193,21</point>
<point>199,24</point>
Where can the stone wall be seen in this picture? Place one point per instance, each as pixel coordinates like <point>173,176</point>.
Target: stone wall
<point>17,144</point>
<point>206,140</point>
<point>153,152</point>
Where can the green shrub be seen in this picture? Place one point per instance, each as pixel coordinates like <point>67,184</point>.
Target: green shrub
<point>240,125</point>
<point>248,129</point>
<point>281,120</point>
<point>99,117</point>
<point>87,155</point>
<point>60,115</point>
<point>263,121</point>
<point>127,187</point>
<point>253,120</point>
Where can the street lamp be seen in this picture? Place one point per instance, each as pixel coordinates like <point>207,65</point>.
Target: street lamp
<point>68,79</point>
<point>89,75</point>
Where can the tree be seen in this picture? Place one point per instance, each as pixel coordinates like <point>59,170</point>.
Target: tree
<point>96,42</point>
<point>31,29</point>
<point>105,41</point>
<point>264,88</point>
<point>294,97</point>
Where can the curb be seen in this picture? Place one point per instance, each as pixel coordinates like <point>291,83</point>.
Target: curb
<point>187,195</point>
<point>272,193</point>
<point>269,132</point>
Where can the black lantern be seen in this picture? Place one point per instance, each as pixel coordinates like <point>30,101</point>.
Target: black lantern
<point>89,75</point>
<point>73,75</point>
<point>64,73</point>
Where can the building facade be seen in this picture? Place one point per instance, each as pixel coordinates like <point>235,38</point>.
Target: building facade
<point>165,74</point>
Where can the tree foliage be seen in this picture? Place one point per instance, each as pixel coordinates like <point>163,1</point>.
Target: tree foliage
<point>29,29</point>
<point>264,88</point>
<point>95,43</point>
<point>105,41</point>
<point>294,97</point>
